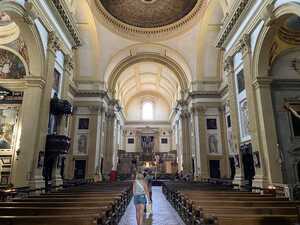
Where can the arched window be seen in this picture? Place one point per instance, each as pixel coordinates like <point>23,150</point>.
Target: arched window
<point>147,111</point>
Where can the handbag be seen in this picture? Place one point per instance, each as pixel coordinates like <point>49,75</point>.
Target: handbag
<point>148,208</point>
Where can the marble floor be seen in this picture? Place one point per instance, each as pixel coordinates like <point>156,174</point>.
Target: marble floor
<point>163,212</point>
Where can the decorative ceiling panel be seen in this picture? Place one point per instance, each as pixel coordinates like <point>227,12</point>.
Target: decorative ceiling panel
<point>148,13</point>
<point>150,19</point>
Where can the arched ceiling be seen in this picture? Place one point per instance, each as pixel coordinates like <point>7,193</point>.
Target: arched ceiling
<point>148,77</point>
<point>9,31</point>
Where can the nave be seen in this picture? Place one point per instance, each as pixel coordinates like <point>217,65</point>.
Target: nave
<point>163,212</point>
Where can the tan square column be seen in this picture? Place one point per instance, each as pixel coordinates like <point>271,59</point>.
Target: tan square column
<point>267,129</point>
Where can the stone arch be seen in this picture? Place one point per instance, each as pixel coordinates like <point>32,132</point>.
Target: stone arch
<point>148,53</point>
<point>261,54</point>
<point>24,63</point>
<point>30,35</point>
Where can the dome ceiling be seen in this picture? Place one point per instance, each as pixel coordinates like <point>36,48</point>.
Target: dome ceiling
<point>148,13</point>
<point>152,20</point>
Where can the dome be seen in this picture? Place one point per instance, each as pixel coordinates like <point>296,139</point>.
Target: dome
<point>148,13</point>
<point>149,19</point>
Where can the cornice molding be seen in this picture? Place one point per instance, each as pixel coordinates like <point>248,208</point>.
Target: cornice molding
<point>67,17</point>
<point>231,21</point>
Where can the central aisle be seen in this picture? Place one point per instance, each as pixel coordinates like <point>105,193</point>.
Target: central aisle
<point>163,212</point>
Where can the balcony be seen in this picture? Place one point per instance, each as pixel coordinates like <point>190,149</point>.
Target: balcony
<point>57,144</point>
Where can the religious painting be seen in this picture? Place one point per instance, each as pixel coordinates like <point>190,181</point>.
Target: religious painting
<point>11,66</point>
<point>7,122</point>
<point>4,178</point>
<point>211,124</point>
<point>83,123</point>
<point>82,144</point>
<point>130,141</point>
<point>164,141</point>
<point>213,143</point>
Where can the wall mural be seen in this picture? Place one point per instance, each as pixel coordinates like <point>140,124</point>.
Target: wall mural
<point>11,67</point>
<point>7,123</point>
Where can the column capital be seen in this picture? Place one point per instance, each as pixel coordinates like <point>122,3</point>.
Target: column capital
<point>198,108</point>
<point>110,114</point>
<point>262,82</point>
<point>53,42</point>
<point>229,64</point>
<point>185,114</point>
<point>30,13</point>
<point>244,44</point>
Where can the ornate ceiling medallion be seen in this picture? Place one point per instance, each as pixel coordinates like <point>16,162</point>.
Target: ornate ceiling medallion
<point>150,19</point>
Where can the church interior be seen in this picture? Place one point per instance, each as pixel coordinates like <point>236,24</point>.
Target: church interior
<point>203,95</point>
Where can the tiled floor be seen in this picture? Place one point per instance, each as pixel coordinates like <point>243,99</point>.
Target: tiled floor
<point>163,212</point>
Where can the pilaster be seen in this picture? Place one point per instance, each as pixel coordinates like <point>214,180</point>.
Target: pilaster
<point>201,141</point>
<point>53,46</point>
<point>245,48</point>
<point>109,140</point>
<point>232,103</point>
<point>186,145</point>
<point>267,130</point>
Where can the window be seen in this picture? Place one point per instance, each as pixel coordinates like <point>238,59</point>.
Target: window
<point>83,123</point>
<point>240,81</point>
<point>228,121</point>
<point>147,111</point>
<point>211,124</point>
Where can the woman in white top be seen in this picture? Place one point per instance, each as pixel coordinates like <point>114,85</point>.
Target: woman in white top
<point>140,191</point>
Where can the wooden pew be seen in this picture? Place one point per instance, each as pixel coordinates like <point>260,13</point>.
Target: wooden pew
<point>88,219</point>
<point>92,204</point>
<point>210,204</point>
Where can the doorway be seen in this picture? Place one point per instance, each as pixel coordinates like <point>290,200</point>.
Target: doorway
<point>214,166</point>
<point>79,171</point>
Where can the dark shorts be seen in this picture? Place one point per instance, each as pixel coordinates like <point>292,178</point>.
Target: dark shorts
<point>140,199</point>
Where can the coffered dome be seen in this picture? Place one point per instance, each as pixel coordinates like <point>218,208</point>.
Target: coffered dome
<point>148,13</point>
<point>150,19</point>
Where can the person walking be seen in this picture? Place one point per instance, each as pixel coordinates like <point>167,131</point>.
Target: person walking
<point>140,192</point>
<point>148,179</point>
